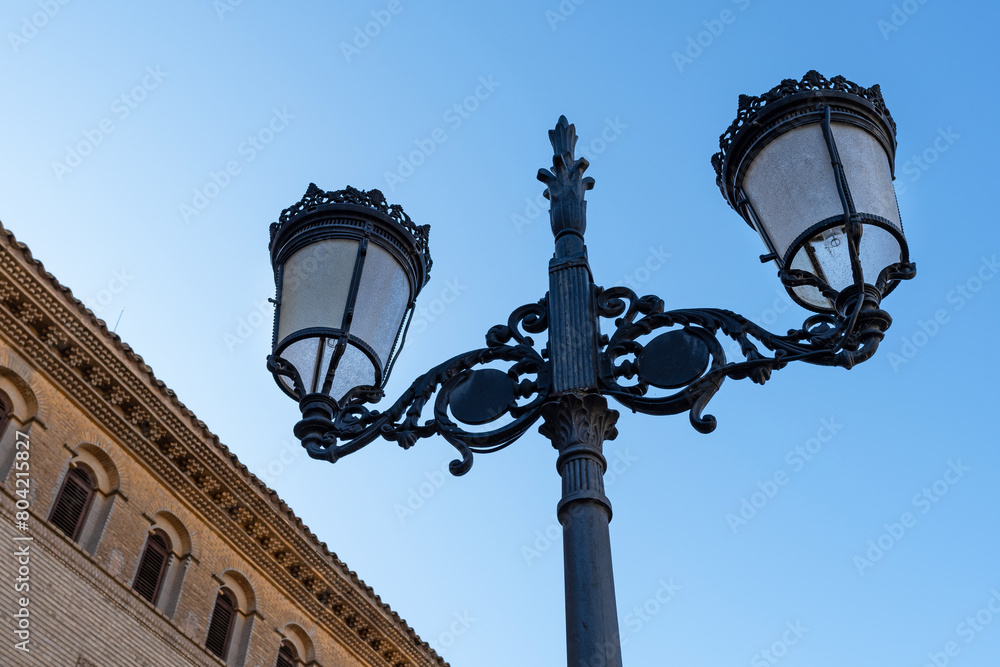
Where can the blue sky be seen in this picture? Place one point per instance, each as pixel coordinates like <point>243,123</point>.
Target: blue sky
<point>261,99</point>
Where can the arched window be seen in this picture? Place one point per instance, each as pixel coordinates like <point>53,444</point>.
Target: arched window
<point>287,655</point>
<point>220,630</point>
<point>153,566</point>
<point>89,489</point>
<point>159,574</point>
<point>296,647</point>
<point>8,446</point>
<point>73,501</point>
<point>19,412</point>
<point>231,623</point>
<point>6,409</point>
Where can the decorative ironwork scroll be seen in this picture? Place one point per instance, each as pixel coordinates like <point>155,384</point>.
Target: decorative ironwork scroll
<point>472,396</point>
<point>688,355</point>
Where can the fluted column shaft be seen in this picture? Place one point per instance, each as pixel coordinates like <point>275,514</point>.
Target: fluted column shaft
<point>578,425</point>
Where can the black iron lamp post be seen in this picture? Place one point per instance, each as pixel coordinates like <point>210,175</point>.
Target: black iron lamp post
<point>809,165</point>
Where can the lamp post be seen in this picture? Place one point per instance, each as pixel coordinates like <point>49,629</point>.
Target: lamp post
<point>808,165</point>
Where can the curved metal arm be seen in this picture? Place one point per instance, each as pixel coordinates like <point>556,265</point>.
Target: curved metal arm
<point>692,359</point>
<point>330,431</point>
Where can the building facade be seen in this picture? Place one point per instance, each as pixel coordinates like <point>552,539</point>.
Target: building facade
<point>131,536</point>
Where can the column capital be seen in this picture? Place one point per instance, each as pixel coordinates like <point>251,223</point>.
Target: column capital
<point>574,419</point>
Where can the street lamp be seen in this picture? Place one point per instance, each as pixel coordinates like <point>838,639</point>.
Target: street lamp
<point>809,165</point>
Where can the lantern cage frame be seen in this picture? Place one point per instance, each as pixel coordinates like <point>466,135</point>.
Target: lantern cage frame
<point>353,215</point>
<point>790,105</point>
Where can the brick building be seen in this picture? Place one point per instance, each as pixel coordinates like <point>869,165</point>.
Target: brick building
<point>147,543</point>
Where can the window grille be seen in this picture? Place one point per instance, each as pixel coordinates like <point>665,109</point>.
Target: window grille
<point>5,410</point>
<point>220,630</point>
<point>153,566</point>
<point>287,656</point>
<point>73,501</point>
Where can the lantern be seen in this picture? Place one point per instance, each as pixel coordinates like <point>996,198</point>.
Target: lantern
<point>809,165</point>
<point>347,271</point>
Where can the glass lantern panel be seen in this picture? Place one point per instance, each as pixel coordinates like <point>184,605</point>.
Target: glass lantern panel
<point>791,185</point>
<point>354,370</point>
<point>383,296</point>
<point>302,354</point>
<point>878,249</point>
<point>316,280</point>
<point>825,250</point>
<point>866,167</point>
<point>811,296</point>
<point>826,255</point>
<point>286,383</point>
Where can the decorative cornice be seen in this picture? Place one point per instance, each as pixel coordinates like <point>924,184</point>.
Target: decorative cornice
<point>58,336</point>
<point>749,106</point>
